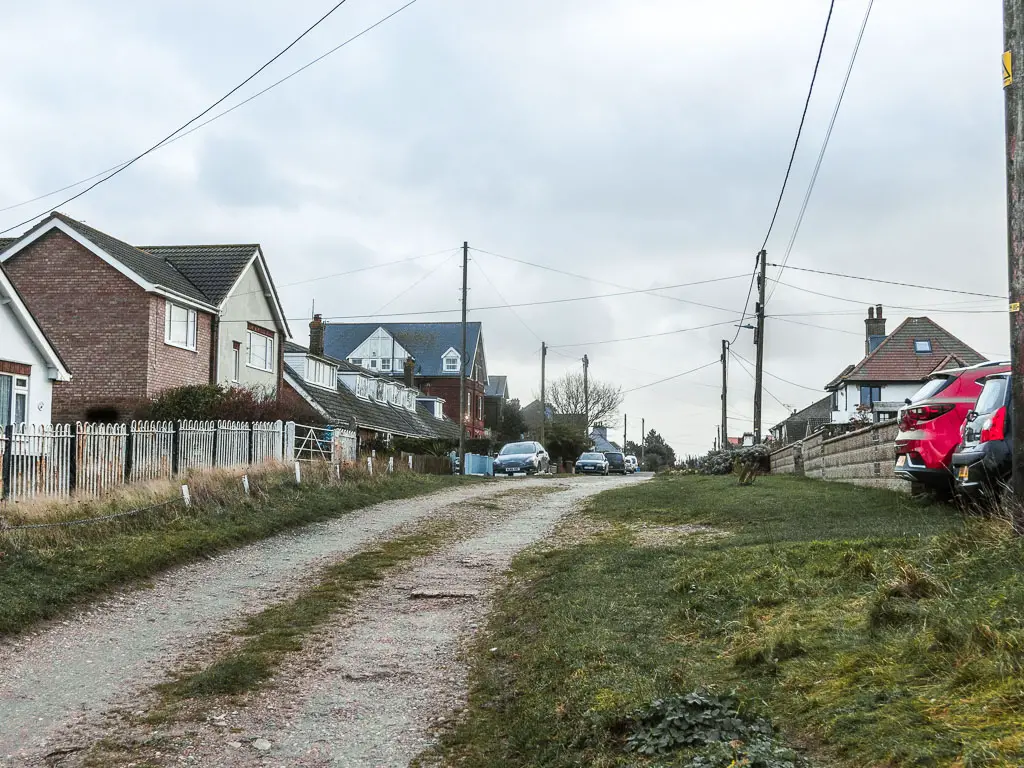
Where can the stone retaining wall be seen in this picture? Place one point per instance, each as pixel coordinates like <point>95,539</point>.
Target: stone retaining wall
<point>865,457</point>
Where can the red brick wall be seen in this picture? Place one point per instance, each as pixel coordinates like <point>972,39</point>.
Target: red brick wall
<point>296,404</point>
<point>96,318</point>
<point>168,366</point>
<point>448,388</point>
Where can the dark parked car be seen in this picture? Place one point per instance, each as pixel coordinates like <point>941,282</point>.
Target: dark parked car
<point>930,425</point>
<point>592,464</point>
<point>528,457</point>
<point>983,462</point>
<point>616,462</point>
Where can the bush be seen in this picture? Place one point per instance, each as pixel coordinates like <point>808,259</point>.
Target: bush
<point>209,402</point>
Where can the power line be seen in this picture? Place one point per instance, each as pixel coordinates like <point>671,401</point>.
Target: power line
<point>419,280</point>
<point>178,135</point>
<point>800,128</point>
<point>763,388</point>
<point>811,325</point>
<point>787,381</point>
<point>890,282</point>
<point>670,378</point>
<point>789,167</point>
<point>894,306</point>
<point>824,145</point>
<point>651,291</point>
<point>645,336</point>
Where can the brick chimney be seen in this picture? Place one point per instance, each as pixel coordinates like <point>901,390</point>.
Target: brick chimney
<point>316,336</point>
<point>410,367</point>
<point>874,329</point>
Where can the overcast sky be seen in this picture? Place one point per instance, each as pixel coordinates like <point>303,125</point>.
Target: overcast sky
<point>641,143</point>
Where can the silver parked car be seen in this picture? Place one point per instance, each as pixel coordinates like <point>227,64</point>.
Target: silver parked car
<point>529,457</point>
<point>592,464</point>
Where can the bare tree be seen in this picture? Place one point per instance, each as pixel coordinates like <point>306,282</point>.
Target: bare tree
<point>567,395</point>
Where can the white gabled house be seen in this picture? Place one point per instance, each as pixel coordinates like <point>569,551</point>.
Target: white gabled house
<point>29,363</point>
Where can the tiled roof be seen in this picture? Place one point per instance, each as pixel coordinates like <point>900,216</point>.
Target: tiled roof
<point>213,269</point>
<point>895,359</point>
<point>497,386</point>
<point>426,342</point>
<point>149,267</point>
<point>344,407</point>
<point>203,273</point>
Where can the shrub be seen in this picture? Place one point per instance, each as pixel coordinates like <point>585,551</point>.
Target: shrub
<point>207,402</point>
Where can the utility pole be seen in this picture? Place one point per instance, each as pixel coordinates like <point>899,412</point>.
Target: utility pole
<point>643,438</point>
<point>543,404</point>
<point>625,427</point>
<point>1013,37</point>
<point>462,362</point>
<point>725,393</point>
<point>759,341</point>
<point>586,395</point>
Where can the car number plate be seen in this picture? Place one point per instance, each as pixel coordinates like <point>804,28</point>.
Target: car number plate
<point>901,461</point>
<point>965,472</point>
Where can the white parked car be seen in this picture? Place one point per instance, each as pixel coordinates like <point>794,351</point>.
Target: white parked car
<point>631,464</point>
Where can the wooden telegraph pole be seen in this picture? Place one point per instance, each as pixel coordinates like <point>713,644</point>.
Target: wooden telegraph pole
<point>462,362</point>
<point>759,341</point>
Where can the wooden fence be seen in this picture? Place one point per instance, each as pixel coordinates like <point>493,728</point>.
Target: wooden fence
<point>57,460</point>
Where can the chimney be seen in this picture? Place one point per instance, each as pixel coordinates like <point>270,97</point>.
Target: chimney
<point>316,336</point>
<point>410,366</point>
<point>874,329</point>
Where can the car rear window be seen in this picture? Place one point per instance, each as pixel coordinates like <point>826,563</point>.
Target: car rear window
<point>592,457</point>
<point>931,388</point>
<point>613,455</point>
<point>992,396</point>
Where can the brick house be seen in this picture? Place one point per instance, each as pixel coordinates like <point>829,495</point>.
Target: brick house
<point>134,321</point>
<point>29,363</point>
<point>434,351</point>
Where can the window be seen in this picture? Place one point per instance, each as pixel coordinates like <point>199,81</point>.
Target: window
<point>236,360</point>
<point>451,363</point>
<point>869,395</point>
<point>922,346</point>
<point>261,351</point>
<point>385,363</point>
<point>20,400</point>
<point>180,326</point>
<point>362,387</point>
<point>479,407</point>
<point>373,364</point>
<point>356,360</point>
<point>320,373</point>
<point>835,400</point>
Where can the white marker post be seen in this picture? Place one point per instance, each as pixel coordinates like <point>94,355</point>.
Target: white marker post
<point>391,464</point>
<point>369,465</point>
<point>186,496</point>
<point>298,474</point>
<point>245,484</point>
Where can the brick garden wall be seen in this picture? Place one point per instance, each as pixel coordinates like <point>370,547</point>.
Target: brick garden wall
<point>865,457</point>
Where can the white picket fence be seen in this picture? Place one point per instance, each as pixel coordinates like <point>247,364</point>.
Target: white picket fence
<point>55,460</point>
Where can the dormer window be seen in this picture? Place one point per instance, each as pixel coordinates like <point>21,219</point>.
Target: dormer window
<point>922,346</point>
<point>362,387</point>
<point>321,373</point>
<point>450,361</point>
<point>356,361</point>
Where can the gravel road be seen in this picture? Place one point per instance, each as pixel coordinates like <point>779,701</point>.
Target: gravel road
<point>367,694</point>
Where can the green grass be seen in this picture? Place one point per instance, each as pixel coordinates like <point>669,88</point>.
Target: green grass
<point>270,635</point>
<point>871,629</point>
<point>43,574</point>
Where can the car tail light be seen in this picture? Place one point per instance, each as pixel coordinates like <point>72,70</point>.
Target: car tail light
<point>922,413</point>
<point>993,428</point>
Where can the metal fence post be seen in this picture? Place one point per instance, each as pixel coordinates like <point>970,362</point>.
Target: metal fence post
<point>216,440</point>
<point>175,446</point>
<point>129,444</point>
<point>252,444</point>
<point>73,472</point>
<point>7,466</point>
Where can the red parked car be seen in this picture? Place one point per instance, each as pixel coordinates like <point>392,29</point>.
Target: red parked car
<point>930,425</point>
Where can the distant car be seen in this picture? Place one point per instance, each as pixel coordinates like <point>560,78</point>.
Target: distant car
<point>631,464</point>
<point>616,462</point>
<point>930,425</point>
<point>592,464</point>
<point>983,463</point>
<point>529,457</point>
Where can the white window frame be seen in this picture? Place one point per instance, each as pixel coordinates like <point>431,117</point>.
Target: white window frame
<point>321,374</point>
<point>236,361</point>
<point>453,360</point>
<point>264,339</point>
<point>385,364</point>
<point>190,326</point>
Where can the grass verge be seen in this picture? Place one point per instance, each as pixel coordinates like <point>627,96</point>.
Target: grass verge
<point>44,572</point>
<point>872,630</point>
